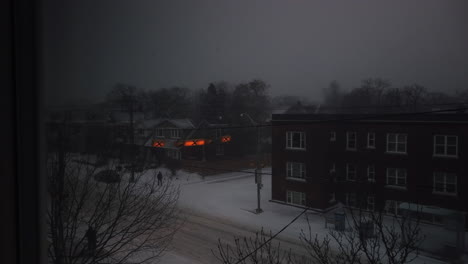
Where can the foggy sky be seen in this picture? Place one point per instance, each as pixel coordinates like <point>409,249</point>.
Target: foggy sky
<point>298,46</point>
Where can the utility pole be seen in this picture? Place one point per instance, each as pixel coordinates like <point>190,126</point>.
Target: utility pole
<point>258,169</point>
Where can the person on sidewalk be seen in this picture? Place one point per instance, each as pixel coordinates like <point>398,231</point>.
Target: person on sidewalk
<point>160,178</point>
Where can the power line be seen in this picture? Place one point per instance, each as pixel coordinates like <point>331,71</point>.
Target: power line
<point>272,237</point>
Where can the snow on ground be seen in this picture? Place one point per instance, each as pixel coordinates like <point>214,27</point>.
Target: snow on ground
<point>232,197</point>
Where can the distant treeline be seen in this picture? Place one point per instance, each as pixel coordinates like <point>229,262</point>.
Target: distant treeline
<point>379,96</point>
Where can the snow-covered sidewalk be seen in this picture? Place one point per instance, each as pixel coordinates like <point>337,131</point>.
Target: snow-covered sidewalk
<point>232,198</point>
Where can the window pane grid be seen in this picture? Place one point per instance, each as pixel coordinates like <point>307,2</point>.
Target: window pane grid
<point>351,140</point>
<point>396,143</point>
<point>445,145</point>
<point>445,183</point>
<point>295,140</point>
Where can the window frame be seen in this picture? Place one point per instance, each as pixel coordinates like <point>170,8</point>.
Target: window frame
<point>348,133</point>
<point>397,143</point>
<point>302,140</point>
<point>290,198</point>
<point>347,171</point>
<point>445,183</point>
<point>369,170</point>
<point>369,146</point>
<point>397,177</point>
<point>290,170</point>
<point>445,145</point>
<point>396,207</point>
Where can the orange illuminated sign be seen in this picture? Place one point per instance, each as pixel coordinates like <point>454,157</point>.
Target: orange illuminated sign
<point>158,143</point>
<point>225,139</point>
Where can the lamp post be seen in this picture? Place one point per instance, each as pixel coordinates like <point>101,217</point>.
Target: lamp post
<point>258,170</point>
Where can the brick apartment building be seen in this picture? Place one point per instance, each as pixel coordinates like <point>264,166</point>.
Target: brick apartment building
<point>372,162</point>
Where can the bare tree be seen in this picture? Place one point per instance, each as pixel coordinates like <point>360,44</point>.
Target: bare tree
<point>258,250</point>
<point>106,219</point>
<point>414,96</point>
<point>371,237</point>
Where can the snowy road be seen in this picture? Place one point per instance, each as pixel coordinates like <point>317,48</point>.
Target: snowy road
<point>218,207</point>
<point>199,235</point>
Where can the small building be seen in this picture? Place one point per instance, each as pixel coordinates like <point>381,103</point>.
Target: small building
<point>181,139</point>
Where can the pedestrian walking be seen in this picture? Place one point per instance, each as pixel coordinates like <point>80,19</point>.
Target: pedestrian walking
<point>160,178</point>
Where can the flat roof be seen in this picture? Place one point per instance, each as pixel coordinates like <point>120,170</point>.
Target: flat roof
<point>398,117</point>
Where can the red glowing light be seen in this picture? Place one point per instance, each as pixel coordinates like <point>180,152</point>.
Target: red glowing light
<point>194,142</point>
<point>225,139</point>
<point>158,143</point>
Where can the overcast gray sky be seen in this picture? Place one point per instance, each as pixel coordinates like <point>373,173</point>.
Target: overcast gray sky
<point>297,46</point>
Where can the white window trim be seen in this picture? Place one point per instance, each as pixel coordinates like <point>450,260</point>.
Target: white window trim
<point>397,142</point>
<point>348,133</point>
<point>368,173</point>
<point>302,170</point>
<point>291,193</point>
<point>302,139</point>
<point>347,172</point>
<point>332,136</point>
<point>393,186</point>
<point>445,185</point>
<point>445,155</point>
<point>368,140</point>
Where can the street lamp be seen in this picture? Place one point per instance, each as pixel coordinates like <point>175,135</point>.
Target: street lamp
<point>258,170</point>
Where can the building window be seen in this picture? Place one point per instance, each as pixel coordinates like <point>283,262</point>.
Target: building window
<point>295,140</point>
<point>297,198</point>
<point>445,183</point>
<point>333,136</point>
<point>175,133</point>
<point>350,199</point>
<point>396,177</point>
<point>159,132</point>
<point>445,146</point>
<point>351,140</point>
<point>370,203</point>
<point>371,140</point>
<point>350,172</point>
<point>295,170</point>
<point>396,143</point>
<point>392,207</point>
<point>371,173</point>
<point>219,150</point>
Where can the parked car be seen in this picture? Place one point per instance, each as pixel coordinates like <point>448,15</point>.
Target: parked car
<point>107,176</point>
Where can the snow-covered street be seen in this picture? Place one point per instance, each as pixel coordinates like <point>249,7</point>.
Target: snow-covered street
<point>222,206</point>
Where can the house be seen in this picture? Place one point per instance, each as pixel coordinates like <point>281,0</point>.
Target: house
<point>375,162</point>
<point>181,139</point>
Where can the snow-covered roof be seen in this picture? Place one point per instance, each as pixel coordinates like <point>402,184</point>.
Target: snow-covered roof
<point>168,143</point>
